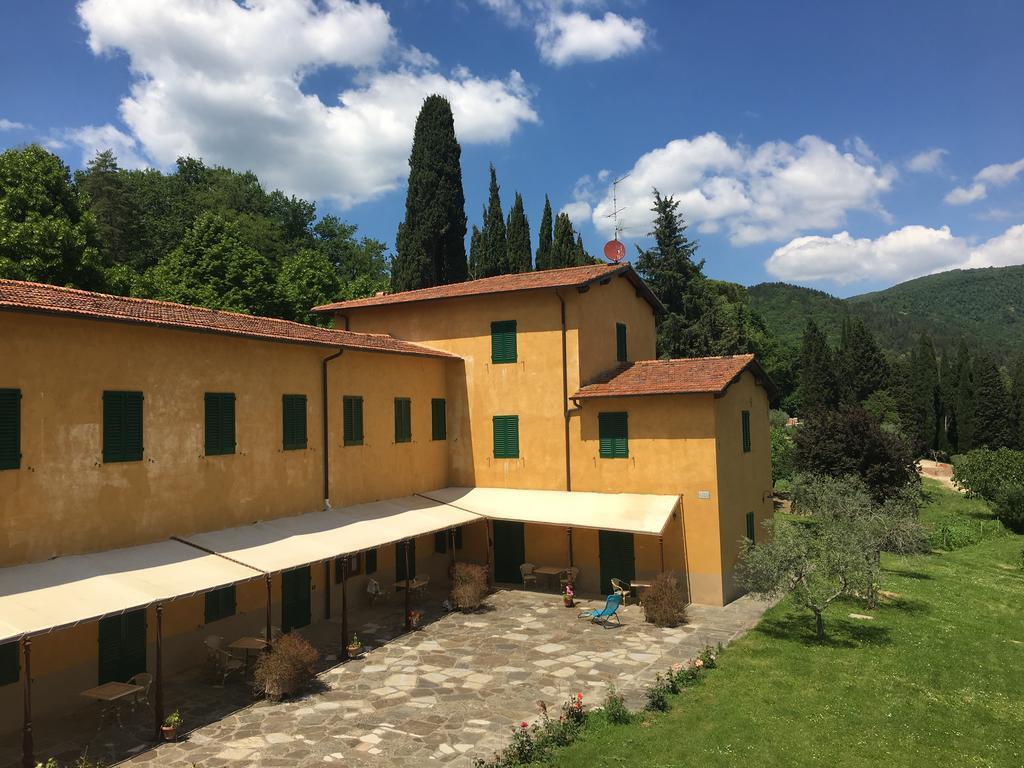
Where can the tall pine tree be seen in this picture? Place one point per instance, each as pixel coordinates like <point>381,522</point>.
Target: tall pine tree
<point>963,404</point>
<point>992,407</point>
<point>862,366</point>
<point>493,259</point>
<point>430,246</point>
<point>817,387</point>
<point>544,237</point>
<point>520,256</point>
<point>563,247</point>
<point>920,401</point>
<point>1017,397</point>
<point>475,251</point>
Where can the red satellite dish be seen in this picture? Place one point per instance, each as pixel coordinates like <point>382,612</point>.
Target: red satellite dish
<point>614,251</point>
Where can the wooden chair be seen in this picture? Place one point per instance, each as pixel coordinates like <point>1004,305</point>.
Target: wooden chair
<point>227,665</point>
<point>529,577</point>
<point>374,591</point>
<point>145,680</point>
<point>621,589</point>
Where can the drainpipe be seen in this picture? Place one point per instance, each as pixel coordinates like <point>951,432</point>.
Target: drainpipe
<point>565,394</point>
<point>326,423</point>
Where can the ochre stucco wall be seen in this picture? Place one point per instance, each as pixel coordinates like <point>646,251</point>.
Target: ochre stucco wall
<point>65,500</point>
<point>744,479</point>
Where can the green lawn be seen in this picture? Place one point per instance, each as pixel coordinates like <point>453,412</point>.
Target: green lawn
<point>935,680</point>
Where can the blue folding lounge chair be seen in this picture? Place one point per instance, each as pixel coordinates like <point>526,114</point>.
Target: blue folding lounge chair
<point>606,614</point>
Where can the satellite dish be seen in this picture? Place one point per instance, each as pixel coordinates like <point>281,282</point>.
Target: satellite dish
<point>614,251</point>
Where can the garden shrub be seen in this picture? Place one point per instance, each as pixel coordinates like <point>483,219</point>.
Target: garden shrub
<point>534,743</point>
<point>615,708</point>
<point>469,586</point>
<point>287,668</point>
<point>657,694</point>
<point>1009,507</point>
<point>954,532</point>
<point>663,603</point>
<point>983,472</point>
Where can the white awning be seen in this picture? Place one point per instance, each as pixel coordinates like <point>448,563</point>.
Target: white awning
<point>291,542</point>
<point>627,512</point>
<point>65,591</point>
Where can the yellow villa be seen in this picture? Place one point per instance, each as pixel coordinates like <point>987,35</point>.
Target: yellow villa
<point>167,470</point>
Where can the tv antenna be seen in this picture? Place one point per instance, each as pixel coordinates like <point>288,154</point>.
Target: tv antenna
<point>614,250</point>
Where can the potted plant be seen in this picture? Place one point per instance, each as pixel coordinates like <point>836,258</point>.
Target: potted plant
<point>568,596</point>
<point>354,647</point>
<point>171,725</point>
<point>414,619</point>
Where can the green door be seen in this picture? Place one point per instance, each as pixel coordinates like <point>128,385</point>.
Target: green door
<point>509,551</point>
<point>617,559</point>
<point>122,651</point>
<point>295,599</point>
<point>400,560</point>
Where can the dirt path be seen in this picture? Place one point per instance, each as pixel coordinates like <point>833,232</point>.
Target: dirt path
<point>936,470</point>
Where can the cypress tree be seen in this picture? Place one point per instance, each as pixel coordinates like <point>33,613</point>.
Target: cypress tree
<point>947,396</point>
<point>475,249</point>
<point>581,257</point>
<point>862,365</point>
<point>493,258</point>
<point>920,409</point>
<point>430,246</point>
<point>520,257</point>
<point>817,387</point>
<point>992,407</point>
<point>1017,396</point>
<point>964,403</point>
<point>563,247</point>
<point>544,237</point>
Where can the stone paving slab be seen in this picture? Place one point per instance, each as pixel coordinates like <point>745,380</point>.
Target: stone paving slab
<point>451,691</point>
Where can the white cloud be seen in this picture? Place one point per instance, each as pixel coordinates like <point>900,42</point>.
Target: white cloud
<point>928,161</point>
<point>99,138</point>
<point>771,192</point>
<point>564,38</point>
<point>578,211</point>
<point>10,125</point>
<point>996,175</point>
<point>860,148</point>
<point>966,195</point>
<point>566,32</point>
<point>1000,175</point>
<point>900,255</point>
<point>222,81</point>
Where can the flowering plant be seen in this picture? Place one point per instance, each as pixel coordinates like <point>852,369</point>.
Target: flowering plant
<point>354,642</point>
<point>414,618</point>
<point>569,591</point>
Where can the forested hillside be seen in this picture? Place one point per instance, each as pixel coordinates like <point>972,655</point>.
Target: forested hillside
<point>985,306</point>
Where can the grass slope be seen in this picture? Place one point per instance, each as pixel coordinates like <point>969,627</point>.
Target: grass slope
<point>937,679</point>
<point>986,306</point>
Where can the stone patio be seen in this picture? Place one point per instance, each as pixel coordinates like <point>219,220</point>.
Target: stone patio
<point>449,692</point>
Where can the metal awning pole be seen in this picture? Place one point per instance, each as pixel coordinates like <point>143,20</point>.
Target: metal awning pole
<point>158,701</point>
<point>451,554</point>
<point>568,541</point>
<point>270,597</point>
<point>408,618</point>
<point>661,552</point>
<point>327,589</point>
<point>490,544</point>
<point>27,744</point>
<point>344,606</point>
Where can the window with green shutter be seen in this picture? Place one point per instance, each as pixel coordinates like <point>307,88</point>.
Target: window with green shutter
<point>613,431</point>
<point>746,431</point>
<point>10,663</point>
<point>352,407</point>
<point>458,537</point>
<point>354,567</point>
<point>220,604</point>
<point>220,423</point>
<point>403,420</point>
<point>10,428</point>
<point>441,542</point>
<point>750,527</point>
<point>293,411</point>
<point>438,419</point>
<point>122,426</point>
<point>620,342</point>
<point>371,561</point>
<point>506,437</point>
<point>503,341</point>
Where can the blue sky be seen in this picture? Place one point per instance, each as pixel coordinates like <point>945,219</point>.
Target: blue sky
<point>847,147</point>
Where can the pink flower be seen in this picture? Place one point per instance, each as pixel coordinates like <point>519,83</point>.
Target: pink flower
<point>579,697</point>
<point>698,663</point>
<point>677,667</point>
<point>524,725</point>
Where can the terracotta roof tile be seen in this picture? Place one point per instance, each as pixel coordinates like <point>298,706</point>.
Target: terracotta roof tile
<point>693,375</point>
<point>51,299</point>
<point>570,277</point>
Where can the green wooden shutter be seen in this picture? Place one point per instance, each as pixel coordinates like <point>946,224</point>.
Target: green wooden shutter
<point>220,604</point>
<point>122,426</point>
<point>613,435</point>
<point>10,428</point>
<point>10,663</point>
<point>293,409</point>
<point>503,341</point>
<point>220,423</point>
<point>750,526</point>
<point>620,342</point>
<point>506,437</point>
<point>353,418</point>
<point>371,561</point>
<point>403,420</point>
<point>746,431</point>
<point>438,419</point>
<point>441,542</point>
<point>458,537</point>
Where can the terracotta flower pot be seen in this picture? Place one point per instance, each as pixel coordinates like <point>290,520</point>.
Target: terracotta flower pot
<point>569,602</point>
<point>169,732</point>
<point>354,649</point>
